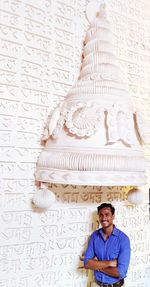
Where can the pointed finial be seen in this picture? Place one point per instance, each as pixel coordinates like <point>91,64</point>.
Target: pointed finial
<point>95,9</point>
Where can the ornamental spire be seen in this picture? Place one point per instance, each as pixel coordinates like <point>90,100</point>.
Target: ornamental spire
<point>94,137</point>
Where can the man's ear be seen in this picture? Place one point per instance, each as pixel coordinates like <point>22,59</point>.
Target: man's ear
<point>113,216</point>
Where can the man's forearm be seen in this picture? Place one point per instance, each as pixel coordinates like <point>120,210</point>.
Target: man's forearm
<point>111,271</point>
<point>95,264</point>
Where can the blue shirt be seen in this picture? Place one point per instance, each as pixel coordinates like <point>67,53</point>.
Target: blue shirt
<point>117,246</point>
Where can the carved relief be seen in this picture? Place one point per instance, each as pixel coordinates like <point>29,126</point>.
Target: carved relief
<point>44,249</point>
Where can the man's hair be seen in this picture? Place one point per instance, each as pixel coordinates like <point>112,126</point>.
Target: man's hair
<point>104,205</point>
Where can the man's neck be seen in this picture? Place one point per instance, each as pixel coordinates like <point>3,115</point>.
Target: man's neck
<point>107,231</point>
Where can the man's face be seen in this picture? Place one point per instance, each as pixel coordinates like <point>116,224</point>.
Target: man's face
<point>105,217</point>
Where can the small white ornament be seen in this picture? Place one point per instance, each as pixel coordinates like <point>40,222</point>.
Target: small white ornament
<point>43,198</point>
<point>93,9</point>
<point>135,196</point>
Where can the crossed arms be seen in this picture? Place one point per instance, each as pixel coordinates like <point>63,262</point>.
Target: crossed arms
<point>108,267</point>
<point>118,265</point>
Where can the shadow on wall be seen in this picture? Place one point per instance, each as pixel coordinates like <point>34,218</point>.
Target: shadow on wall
<point>74,194</point>
<point>88,194</point>
<point>81,197</point>
<point>89,273</point>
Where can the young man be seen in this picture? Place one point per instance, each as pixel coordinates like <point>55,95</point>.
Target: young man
<point>108,251</point>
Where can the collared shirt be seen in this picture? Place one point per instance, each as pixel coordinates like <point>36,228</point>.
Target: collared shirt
<point>117,246</point>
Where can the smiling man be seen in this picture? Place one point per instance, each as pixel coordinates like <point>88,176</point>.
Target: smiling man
<point>108,251</point>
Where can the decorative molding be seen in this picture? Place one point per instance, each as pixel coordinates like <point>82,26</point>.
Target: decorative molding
<point>90,177</point>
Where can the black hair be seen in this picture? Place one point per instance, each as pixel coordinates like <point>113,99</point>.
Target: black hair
<point>104,205</point>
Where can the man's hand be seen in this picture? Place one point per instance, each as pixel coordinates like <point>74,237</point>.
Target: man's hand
<point>95,264</point>
<point>113,263</point>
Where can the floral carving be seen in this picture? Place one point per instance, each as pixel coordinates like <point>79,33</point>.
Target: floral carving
<point>120,125</point>
<point>83,119</point>
<point>53,124</point>
<point>141,127</point>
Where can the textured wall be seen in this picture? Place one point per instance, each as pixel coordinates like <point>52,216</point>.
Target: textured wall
<point>40,53</point>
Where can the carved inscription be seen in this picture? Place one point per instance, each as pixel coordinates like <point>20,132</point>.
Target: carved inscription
<point>40,57</point>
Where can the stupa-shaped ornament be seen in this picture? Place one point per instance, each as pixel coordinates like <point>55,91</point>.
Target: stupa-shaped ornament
<point>94,137</point>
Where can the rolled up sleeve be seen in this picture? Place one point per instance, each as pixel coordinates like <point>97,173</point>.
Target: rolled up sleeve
<point>89,253</point>
<point>124,257</point>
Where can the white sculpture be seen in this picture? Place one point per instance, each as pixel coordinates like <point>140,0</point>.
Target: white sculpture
<point>94,137</point>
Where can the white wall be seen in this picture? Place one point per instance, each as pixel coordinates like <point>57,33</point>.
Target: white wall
<point>40,51</point>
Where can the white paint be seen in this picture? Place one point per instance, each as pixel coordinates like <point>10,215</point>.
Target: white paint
<point>43,249</point>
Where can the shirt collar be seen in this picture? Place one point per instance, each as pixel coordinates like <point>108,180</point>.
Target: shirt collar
<point>114,232</point>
